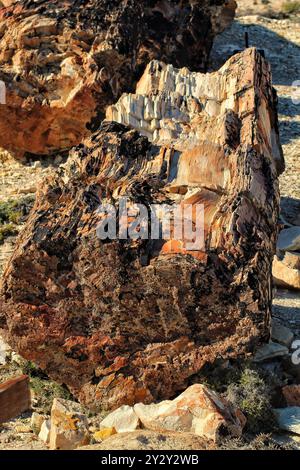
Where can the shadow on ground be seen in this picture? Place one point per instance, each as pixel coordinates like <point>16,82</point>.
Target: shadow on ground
<point>287,107</point>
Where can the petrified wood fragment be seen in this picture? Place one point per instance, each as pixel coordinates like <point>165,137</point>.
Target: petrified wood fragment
<point>63,62</point>
<point>15,398</point>
<point>124,321</point>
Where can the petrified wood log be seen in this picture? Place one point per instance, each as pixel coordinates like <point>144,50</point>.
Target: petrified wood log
<point>63,62</point>
<point>123,321</point>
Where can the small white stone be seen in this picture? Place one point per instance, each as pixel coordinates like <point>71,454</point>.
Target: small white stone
<point>44,434</point>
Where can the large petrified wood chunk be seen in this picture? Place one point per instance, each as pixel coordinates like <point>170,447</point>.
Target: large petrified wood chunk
<point>124,321</point>
<point>63,62</point>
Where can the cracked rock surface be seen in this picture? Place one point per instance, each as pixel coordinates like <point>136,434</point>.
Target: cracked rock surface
<point>87,311</point>
<point>64,62</point>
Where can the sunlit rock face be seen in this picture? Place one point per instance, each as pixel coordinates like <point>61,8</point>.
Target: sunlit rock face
<point>63,62</point>
<point>125,321</point>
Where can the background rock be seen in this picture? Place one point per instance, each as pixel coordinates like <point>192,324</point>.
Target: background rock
<point>270,351</point>
<point>289,239</point>
<point>281,334</point>
<point>284,276</point>
<point>289,419</point>
<point>64,62</point>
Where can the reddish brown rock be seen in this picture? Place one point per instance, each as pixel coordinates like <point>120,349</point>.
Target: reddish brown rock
<point>14,398</point>
<point>291,394</point>
<point>64,62</point>
<point>123,321</point>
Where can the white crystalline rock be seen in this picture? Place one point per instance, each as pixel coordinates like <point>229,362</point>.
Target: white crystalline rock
<point>168,100</point>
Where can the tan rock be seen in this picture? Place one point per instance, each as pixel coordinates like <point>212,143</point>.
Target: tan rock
<point>69,426</point>
<point>292,259</point>
<point>289,419</point>
<point>291,395</point>
<point>270,351</point>
<point>36,422</point>
<point>124,419</point>
<point>150,440</point>
<point>197,410</point>
<point>285,276</point>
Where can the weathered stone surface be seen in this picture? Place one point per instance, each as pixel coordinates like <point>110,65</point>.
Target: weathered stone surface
<point>292,259</point>
<point>284,275</point>
<point>64,62</point>
<point>291,395</point>
<point>149,440</point>
<point>129,321</point>
<point>124,419</point>
<point>68,426</point>
<point>197,410</point>
<point>270,351</point>
<point>14,398</point>
<point>289,239</point>
<point>281,334</point>
<point>289,419</point>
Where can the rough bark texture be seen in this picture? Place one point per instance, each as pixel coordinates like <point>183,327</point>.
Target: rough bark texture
<point>63,62</point>
<point>121,322</point>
